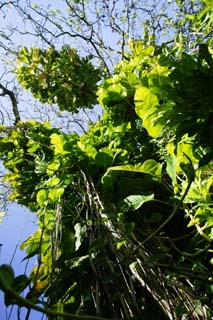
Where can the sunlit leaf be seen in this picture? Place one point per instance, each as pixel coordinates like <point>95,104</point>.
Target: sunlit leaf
<point>58,141</point>
<point>88,149</point>
<point>120,244</point>
<point>134,202</point>
<point>52,182</point>
<point>53,166</point>
<point>55,193</point>
<point>149,166</point>
<point>42,197</point>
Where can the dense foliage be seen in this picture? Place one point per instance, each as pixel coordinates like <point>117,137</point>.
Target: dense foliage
<point>60,77</point>
<point>125,210</point>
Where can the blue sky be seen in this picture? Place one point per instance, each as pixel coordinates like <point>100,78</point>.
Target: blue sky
<point>17,225</point>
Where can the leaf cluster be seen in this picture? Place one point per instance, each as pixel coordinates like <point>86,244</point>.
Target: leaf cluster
<point>59,77</point>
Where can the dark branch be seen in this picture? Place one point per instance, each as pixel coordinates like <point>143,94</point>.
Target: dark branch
<point>7,92</point>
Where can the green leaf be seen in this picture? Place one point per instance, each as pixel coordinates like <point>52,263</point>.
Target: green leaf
<point>120,244</point>
<point>32,146</point>
<point>52,182</point>
<point>42,197</point>
<point>31,244</point>
<point>145,101</point>
<point>103,160</point>
<point>20,283</point>
<point>134,202</point>
<point>58,140</point>
<point>188,170</point>
<point>55,194</point>
<point>53,166</point>
<point>149,167</point>
<point>6,277</point>
<point>88,149</point>
<point>171,169</point>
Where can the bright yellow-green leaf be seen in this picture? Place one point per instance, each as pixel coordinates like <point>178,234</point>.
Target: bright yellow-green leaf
<point>55,194</point>
<point>53,182</point>
<point>58,141</point>
<point>88,149</point>
<point>42,197</point>
<point>152,126</point>
<point>145,101</point>
<point>120,244</point>
<point>53,166</point>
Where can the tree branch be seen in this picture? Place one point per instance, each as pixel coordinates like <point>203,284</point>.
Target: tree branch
<point>7,92</point>
<point>30,305</point>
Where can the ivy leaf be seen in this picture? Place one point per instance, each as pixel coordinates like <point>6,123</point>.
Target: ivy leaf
<point>88,149</point>
<point>188,170</point>
<point>145,101</point>
<point>31,244</point>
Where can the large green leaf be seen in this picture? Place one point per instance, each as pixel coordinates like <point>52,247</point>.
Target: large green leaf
<point>145,101</point>
<point>145,107</point>
<point>103,159</point>
<point>150,166</point>
<point>134,202</point>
